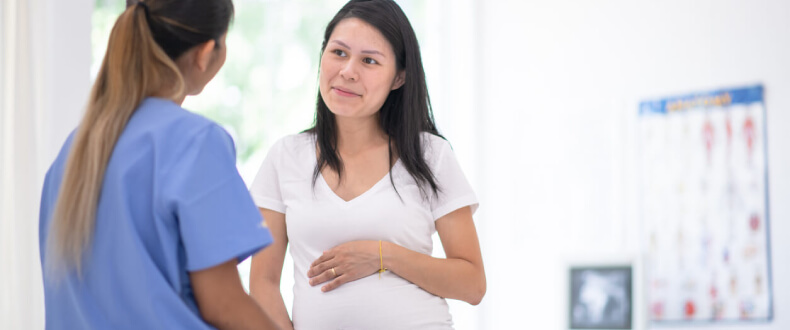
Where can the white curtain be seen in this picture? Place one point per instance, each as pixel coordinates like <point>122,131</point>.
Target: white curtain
<point>44,65</point>
<point>22,303</point>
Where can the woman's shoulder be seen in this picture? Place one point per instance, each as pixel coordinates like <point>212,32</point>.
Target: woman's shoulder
<point>434,146</point>
<point>294,147</point>
<point>431,139</point>
<point>299,142</point>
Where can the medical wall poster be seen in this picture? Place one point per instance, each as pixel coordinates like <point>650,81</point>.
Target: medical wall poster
<point>704,206</point>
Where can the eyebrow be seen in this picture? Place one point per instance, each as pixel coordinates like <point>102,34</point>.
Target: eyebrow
<point>363,52</point>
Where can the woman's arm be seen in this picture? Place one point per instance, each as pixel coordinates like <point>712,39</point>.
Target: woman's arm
<point>460,276</point>
<point>267,268</point>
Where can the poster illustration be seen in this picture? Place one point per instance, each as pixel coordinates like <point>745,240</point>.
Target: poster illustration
<point>704,207</point>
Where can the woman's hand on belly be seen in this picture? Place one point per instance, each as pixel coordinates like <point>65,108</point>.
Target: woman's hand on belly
<point>345,263</point>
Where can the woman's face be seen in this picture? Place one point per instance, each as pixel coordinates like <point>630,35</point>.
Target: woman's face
<point>358,70</point>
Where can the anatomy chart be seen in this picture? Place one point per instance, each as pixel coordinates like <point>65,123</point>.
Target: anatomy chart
<point>704,206</point>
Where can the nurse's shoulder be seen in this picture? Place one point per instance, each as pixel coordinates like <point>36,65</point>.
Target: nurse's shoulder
<point>171,133</point>
<point>168,120</point>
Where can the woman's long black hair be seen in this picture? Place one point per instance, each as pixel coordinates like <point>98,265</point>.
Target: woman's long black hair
<point>407,111</point>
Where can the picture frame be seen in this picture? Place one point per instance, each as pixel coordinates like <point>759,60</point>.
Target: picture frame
<point>604,292</point>
<point>601,297</point>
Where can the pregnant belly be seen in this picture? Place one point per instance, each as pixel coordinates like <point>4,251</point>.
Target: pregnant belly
<point>369,303</point>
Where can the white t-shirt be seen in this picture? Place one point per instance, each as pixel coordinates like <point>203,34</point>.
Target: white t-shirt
<point>318,220</point>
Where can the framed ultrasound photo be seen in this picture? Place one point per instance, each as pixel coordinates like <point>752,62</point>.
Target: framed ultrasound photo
<point>601,297</point>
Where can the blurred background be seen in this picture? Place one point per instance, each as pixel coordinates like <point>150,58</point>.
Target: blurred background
<point>540,100</point>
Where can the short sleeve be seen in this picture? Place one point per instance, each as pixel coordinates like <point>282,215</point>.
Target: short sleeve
<point>217,218</point>
<point>265,189</point>
<point>455,191</point>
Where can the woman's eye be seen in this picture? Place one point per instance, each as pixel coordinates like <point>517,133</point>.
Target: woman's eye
<point>339,52</point>
<point>369,60</point>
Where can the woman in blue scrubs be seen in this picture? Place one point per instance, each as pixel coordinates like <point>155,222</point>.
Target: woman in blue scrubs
<point>143,213</point>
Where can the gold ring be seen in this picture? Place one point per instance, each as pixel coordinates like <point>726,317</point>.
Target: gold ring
<point>333,271</point>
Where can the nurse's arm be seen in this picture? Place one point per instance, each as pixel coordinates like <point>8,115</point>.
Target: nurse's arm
<point>222,301</point>
<point>267,268</point>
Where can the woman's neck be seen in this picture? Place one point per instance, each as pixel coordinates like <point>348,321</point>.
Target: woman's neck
<point>356,135</point>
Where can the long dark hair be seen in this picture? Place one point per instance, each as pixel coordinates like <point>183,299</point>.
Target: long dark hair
<point>406,113</point>
<point>144,43</point>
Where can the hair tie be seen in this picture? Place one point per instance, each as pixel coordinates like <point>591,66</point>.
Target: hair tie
<point>145,8</point>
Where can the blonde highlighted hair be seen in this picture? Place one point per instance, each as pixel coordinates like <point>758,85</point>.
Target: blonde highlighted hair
<point>135,66</point>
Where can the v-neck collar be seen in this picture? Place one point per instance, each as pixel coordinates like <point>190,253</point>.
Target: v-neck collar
<point>348,203</point>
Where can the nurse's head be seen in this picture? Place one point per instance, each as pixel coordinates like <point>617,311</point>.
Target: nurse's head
<point>162,48</point>
<point>371,67</point>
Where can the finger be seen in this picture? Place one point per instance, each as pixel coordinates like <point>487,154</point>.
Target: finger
<point>340,280</point>
<point>324,277</point>
<point>317,269</point>
<point>327,255</point>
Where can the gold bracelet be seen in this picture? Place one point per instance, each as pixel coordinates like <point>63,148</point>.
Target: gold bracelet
<point>381,260</point>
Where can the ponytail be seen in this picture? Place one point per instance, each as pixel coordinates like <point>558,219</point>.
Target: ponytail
<point>134,67</point>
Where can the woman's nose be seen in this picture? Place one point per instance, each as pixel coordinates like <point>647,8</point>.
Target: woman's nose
<point>349,71</point>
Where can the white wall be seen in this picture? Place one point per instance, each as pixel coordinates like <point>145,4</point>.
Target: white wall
<point>561,81</point>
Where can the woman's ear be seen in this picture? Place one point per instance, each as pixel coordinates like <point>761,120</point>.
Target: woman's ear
<point>400,79</point>
<point>204,54</point>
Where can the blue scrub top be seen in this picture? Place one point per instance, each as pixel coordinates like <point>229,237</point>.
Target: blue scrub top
<point>172,202</point>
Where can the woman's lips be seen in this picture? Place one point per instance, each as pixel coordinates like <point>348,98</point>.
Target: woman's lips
<point>344,92</point>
